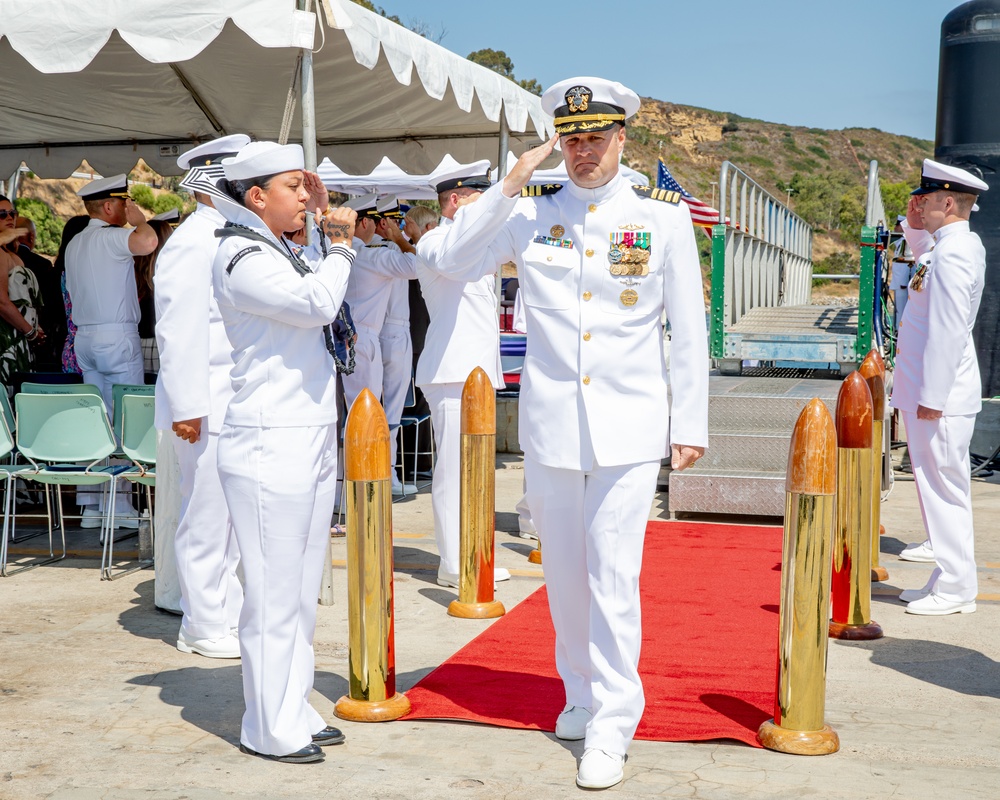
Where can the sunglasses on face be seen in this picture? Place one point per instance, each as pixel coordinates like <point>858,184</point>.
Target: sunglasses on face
<point>4,213</point>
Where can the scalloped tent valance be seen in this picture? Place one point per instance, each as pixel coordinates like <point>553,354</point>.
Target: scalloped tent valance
<point>128,79</point>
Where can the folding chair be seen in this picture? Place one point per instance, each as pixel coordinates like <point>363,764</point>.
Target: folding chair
<point>138,438</point>
<point>7,474</point>
<point>415,420</point>
<point>64,437</point>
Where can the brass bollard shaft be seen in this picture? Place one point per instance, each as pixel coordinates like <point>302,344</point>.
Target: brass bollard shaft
<point>477,502</point>
<point>873,371</point>
<point>798,725</point>
<point>535,556</point>
<point>852,543</point>
<point>372,694</point>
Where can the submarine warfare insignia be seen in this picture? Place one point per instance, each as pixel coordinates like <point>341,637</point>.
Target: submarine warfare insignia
<point>629,253</point>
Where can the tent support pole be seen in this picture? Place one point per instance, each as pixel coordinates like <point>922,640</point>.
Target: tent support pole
<point>501,174</point>
<point>309,101</point>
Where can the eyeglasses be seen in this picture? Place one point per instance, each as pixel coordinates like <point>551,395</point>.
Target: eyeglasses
<point>4,213</point>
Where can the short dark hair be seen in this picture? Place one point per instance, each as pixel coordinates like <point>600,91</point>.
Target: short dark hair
<point>238,189</point>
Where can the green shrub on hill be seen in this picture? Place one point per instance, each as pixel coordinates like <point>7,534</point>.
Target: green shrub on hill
<point>142,195</point>
<point>48,226</point>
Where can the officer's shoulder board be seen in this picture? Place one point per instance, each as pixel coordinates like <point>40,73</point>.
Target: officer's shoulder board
<point>663,195</point>
<point>541,190</point>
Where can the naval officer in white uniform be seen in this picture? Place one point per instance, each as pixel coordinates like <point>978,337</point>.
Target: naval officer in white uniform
<point>599,261</point>
<point>936,385</point>
<point>100,280</point>
<point>193,390</point>
<point>278,445</point>
<point>383,257</point>
<point>464,333</point>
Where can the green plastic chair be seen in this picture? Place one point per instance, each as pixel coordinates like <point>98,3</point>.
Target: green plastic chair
<point>7,474</point>
<point>138,438</point>
<point>64,437</point>
<point>59,388</point>
<point>120,390</point>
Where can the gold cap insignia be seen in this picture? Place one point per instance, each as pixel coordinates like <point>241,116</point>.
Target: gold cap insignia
<point>578,99</point>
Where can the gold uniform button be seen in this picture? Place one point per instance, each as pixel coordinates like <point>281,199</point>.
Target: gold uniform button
<point>590,253</point>
<point>586,336</point>
<point>548,258</point>
<point>592,208</point>
<point>587,295</point>
<point>586,380</point>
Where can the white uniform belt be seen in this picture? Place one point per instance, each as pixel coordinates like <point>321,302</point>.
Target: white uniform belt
<point>366,329</point>
<point>125,327</point>
<point>403,323</point>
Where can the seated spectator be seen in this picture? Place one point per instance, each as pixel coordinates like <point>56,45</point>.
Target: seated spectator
<point>51,315</point>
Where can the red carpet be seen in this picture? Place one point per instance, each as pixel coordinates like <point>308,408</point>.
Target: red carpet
<point>710,598</point>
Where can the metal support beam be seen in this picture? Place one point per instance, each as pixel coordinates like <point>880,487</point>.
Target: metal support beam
<point>199,100</point>
<point>501,174</point>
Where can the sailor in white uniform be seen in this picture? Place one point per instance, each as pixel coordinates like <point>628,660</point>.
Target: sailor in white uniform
<point>384,256</point>
<point>396,344</point>
<point>278,446</point>
<point>193,390</point>
<point>599,261</point>
<point>464,333</point>
<point>100,280</point>
<point>936,385</point>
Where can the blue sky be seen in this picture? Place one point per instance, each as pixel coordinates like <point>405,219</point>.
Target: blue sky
<point>833,64</point>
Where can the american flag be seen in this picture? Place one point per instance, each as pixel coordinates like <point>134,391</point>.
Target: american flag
<point>701,213</point>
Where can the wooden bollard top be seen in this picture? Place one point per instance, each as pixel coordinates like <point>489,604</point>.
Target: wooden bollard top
<point>854,413</point>
<point>366,441</point>
<point>479,405</point>
<point>812,453</point>
<point>876,356</point>
<point>874,376</point>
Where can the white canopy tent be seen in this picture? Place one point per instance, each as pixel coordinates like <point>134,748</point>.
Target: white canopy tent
<point>115,81</point>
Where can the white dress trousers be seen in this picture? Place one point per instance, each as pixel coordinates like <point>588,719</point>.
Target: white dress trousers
<point>279,486</point>
<point>204,544</point>
<point>445,401</point>
<point>367,367</point>
<point>397,371</point>
<point>594,523</point>
<point>939,453</point>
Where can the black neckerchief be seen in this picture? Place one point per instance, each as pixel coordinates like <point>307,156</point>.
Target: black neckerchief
<point>345,329</point>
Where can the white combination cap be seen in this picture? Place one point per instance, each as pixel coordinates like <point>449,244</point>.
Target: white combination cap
<point>105,188</point>
<point>588,105</point>
<point>449,174</point>
<point>364,204</point>
<point>935,177</point>
<point>214,151</point>
<point>259,159</point>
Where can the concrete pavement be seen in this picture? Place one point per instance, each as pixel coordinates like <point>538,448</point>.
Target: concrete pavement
<point>96,702</point>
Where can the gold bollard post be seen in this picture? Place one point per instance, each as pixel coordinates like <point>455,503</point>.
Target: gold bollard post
<point>810,497</point>
<point>852,544</point>
<point>874,376</point>
<point>477,501</point>
<point>371,637</point>
<point>535,556</point>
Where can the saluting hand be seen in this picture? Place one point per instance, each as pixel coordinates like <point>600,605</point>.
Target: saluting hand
<point>8,235</point>
<point>133,214</point>
<point>519,176</point>
<point>913,216</point>
<point>319,199</point>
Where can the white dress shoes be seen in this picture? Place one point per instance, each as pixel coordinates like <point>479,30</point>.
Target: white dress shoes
<point>599,770</point>
<point>933,605</point>
<point>909,595</point>
<point>402,489</point>
<point>922,552</point>
<point>450,579</point>
<point>227,646</point>
<point>571,724</point>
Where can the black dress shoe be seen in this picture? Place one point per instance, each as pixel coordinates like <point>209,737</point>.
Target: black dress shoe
<point>328,736</point>
<point>306,755</point>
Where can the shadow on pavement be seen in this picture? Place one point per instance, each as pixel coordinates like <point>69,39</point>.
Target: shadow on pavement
<point>143,619</point>
<point>949,666</point>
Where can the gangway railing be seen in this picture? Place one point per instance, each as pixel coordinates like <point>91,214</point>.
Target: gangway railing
<point>874,314</point>
<point>761,254</point>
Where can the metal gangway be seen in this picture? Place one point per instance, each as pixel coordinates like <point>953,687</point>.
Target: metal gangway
<point>773,349</point>
<point>762,276</point>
